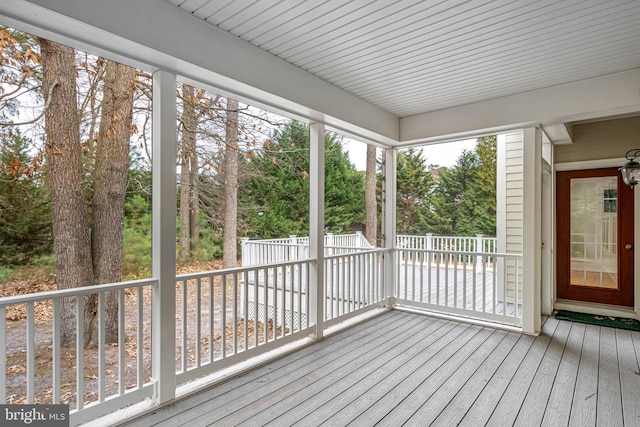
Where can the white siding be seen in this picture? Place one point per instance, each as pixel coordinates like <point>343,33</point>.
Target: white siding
<point>510,202</point>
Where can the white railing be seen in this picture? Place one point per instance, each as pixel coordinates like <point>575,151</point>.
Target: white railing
<point>353,282</point>
<point>225,315</point>
<point>269,251</point>
<point>481,285</point>
<point>41,365</point>
<point>479,243</point>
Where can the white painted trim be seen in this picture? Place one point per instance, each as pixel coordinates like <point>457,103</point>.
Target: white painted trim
<point>501,206</point>
<point>607,95</point>
<point>316,228</point>
<point>590,164</point>
<point>599,309</point>
<point>532,169</point>
<point>460,319</point>
<point>136,33</point>
<point>547,227</point>
<point>163,236</point>
<point>636,245</point>
<point>389,221</point>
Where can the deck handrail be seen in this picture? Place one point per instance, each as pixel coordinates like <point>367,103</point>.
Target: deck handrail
<point>224,316</point>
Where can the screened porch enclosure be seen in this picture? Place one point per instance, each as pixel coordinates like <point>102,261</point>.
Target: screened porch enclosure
<point>421,329</point>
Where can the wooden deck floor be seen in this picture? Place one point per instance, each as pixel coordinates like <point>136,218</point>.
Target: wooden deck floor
<point>407,369</point>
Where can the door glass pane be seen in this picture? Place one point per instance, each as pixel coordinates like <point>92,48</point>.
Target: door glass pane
<point>594,232</point>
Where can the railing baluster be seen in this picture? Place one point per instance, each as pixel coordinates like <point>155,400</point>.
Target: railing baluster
<point>255,307</point>
<point>484,285</point>
<point>55,352</point>
<point>439,258</point>
<point>101,343</point>
<point>31,353</point>
<point>276,285</point>
<point>464,283</point>
<point>494,286</point>
<point>283,300</point>
<point>212,317</point>
<point>473,285</point>
<point>265,323</point>
<point>80,352</point>
<point>140,337</point>
<point>198,320</point>
<point>223,315</point>
<point>121,341</point>
<point>245,302</point>
<point>446,279</point>
<point>234,293</point>
<point>3,355</point>
<point>455,284</point>
<point>184,315</point>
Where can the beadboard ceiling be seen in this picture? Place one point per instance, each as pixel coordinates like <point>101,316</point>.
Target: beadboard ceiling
<point>411,56</point>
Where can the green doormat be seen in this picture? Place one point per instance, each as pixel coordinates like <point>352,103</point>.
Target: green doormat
<point>593,319</point>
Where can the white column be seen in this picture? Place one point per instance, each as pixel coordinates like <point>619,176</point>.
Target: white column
<point>532,170</point>
<point>389,221</point>
<point>163,247</point>
<point>316,228</point>
<point>501,214</point>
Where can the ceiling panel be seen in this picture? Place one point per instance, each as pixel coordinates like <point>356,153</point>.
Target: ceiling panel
<point>414,56</point>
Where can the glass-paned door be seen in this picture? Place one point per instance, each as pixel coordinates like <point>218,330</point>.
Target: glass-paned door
<point>595,220</point>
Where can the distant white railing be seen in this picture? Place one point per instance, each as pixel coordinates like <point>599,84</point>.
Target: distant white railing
<point>34,372</point>
<point>479,243</point>
<point>481,285</point>
<point>269,251</point>
<point>229,314</point>
<point>353,272</point>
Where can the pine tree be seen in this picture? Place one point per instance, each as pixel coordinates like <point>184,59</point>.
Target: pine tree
<point>25,203</point>
<point>279,188</point>
<point>414,185</point>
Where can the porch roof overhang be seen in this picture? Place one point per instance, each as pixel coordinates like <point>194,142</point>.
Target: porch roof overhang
<point>394,73</point>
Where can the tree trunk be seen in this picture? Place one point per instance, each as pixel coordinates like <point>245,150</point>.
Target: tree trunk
<point>371,206</point>
<point>230,250</point>
<point>188,168</point>
<point>72,246</point>
<point>110,184</point>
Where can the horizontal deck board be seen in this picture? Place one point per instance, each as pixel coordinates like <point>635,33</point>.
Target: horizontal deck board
<point>409,368</point>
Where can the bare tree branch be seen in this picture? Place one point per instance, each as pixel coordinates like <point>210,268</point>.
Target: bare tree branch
<point>39,116</point>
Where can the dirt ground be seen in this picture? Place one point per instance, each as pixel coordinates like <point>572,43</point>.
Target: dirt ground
<point>16,340</point>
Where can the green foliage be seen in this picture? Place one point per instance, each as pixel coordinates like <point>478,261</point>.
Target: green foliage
<point>5,274</point>
<point>414,184</point>
<point>137,238</point>
<point>209,246</point>
<point>455,201</point>
<point>25,206</point>
<point>278,190</point>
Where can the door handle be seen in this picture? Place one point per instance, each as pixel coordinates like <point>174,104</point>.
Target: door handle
<point>628,246</point>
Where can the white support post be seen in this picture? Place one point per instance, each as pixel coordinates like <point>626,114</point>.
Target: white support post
<point>163,252</point>
<point>389,222</point>
<point>244,253</point>
<point>293,247</point>
<point>532,170</point>
<point>501,214</point>
<point>316,228</point>
<point>479,244</point>
<point>428,245</point>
